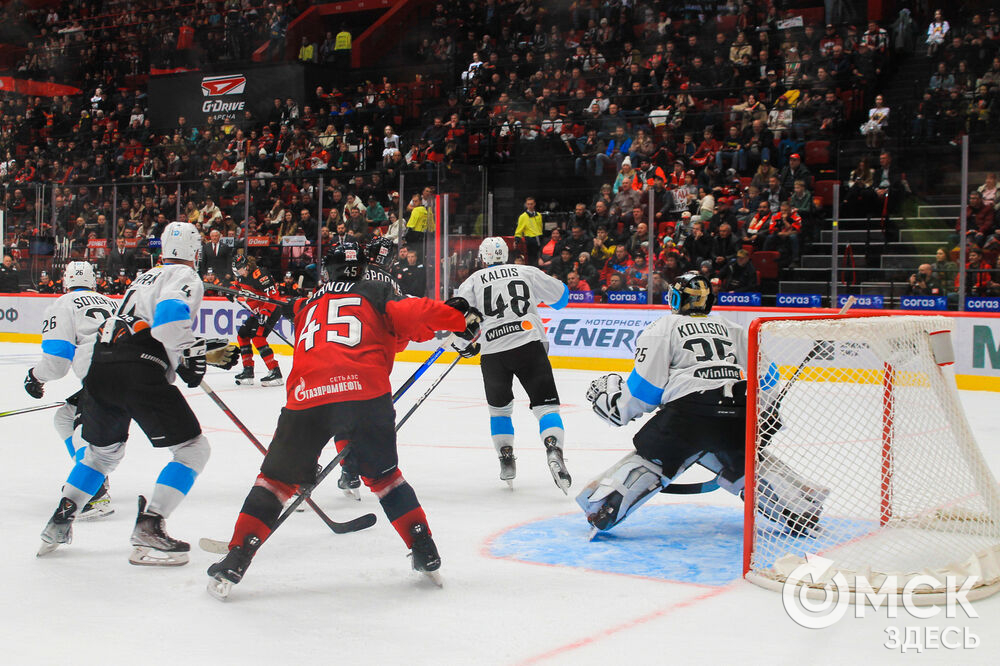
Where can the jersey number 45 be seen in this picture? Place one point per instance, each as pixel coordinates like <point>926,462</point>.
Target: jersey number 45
<point>336,324</point>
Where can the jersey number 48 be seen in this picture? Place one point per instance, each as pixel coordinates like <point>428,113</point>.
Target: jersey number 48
<point>336,324</point>
<point>519,300</point>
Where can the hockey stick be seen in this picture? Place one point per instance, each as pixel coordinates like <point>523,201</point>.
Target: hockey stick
<point>304,494</point>
<point>274,329</point>
<point>244,293</point>
<point>220,547</point>
<point>359,523</point>
<point>423,368</point>
<point>25,410</point>
<point>427,392</point>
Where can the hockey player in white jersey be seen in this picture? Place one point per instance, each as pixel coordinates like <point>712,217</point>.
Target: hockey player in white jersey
<point>690,366</point>
<point>137,354</point>
<point>514,345</point>
<point>69,328</point>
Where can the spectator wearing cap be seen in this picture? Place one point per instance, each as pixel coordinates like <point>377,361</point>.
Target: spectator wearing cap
<point>793,171</point>
<point>739,275</point>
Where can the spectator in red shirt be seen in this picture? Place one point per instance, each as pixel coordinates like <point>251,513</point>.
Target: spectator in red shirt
<point>979,218</point>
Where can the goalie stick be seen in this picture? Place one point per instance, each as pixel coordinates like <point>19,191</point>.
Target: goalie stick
<point>359,523</point>
<point>25,410</point>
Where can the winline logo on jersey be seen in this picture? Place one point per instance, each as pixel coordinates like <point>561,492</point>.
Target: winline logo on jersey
<point>336,385</point>
<point>508,329</point>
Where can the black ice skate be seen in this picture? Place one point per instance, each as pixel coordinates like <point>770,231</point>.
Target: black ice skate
<point>557,466</point>
<point>245,378</point>
<point>508,468</point>
<point>99,506</point>
<point>424,554</point>
<point>59,529</point>
<point>230,570</point>
<point>152,545</point>
<point>273,378</point>
<point>350,483</point>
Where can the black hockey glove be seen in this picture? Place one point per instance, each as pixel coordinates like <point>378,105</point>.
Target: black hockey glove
<point>193,364</point>
<point>35,388</point>
<point>221,353</point>
<point>472,317</point>
<point>468,351</point>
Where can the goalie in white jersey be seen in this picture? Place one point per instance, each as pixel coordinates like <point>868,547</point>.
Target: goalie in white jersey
<point>514,345</point>
<point>137,353</point>
<point>690,366</point>
<point>69,329</point>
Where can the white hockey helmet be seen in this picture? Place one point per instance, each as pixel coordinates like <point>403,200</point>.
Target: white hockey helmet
<point>79,274</point>
<point>181,240</point>
<point>493,250</point>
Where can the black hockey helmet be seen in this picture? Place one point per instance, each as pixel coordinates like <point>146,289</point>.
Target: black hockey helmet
<point>240,262</point>
<point>380,251</point>
<point>691,294</point>
<point>345,261</point>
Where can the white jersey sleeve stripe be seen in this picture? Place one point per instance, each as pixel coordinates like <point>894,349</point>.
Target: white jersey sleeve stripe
<point>643,390</point>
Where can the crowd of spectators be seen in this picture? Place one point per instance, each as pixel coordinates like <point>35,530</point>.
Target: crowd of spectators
<point>963,92</point>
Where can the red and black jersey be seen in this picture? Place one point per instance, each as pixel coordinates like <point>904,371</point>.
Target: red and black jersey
<point>259,282</point>
<point>347,336</point>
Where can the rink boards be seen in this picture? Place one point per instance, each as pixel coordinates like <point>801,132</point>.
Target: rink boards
<point>600,338</point>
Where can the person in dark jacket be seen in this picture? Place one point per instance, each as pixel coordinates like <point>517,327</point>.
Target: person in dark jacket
<point>9,279</point>
<point>739,275</point>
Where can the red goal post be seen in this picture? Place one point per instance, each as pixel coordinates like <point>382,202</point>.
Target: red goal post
<point>858,411</point>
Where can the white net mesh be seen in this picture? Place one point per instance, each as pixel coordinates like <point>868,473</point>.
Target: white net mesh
<point>864,455</point>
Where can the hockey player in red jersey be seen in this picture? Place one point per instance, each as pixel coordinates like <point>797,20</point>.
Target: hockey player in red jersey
<point>258,326</point>
<point>347,335</point>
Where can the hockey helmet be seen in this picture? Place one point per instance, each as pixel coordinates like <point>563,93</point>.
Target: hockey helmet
<point>493,250</point>
<point>345,261</point>
<point>240,262</point>
<point>691,294</point>
<point>181,241</point>
<point>79,275</point>
<point>381,251</point>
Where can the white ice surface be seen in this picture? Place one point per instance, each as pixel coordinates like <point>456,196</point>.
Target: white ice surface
<point>314,597</point>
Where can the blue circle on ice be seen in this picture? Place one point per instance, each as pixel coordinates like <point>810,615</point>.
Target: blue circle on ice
<point>689,543</point>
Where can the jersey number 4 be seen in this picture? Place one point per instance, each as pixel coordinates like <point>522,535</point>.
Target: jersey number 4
<point>335,323</point>
<point>519,300</point>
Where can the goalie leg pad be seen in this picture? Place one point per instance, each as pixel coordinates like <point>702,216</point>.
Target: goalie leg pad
<point>786,498</point>
<point>502,426</point>
<point>620,490</point>
<point>729,471</point>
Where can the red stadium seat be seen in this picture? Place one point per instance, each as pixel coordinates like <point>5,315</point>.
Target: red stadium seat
<point>824,190</point>
<point>817,153</point>
<point>766,263</point>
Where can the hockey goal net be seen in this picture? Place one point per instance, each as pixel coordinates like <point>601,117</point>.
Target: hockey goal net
<point>859,451</point>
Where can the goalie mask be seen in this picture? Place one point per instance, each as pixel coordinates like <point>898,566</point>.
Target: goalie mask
<point>691,294</point>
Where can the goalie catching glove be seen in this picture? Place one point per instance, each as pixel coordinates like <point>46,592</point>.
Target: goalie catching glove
<point>604,395</point>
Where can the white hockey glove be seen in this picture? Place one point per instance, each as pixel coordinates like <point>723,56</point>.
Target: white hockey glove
<point>604,394</point>
<point>221,353</point>
<point>193,366</point>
